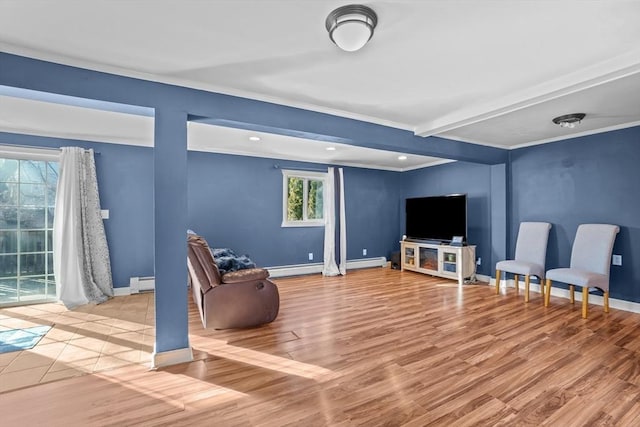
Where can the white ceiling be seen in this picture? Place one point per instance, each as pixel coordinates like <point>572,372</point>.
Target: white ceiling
<point>488,72</point>
<point>61,120</point>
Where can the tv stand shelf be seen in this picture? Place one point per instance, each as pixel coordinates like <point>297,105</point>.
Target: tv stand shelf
<point>451,262</point>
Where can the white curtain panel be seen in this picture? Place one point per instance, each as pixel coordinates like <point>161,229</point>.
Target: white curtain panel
<point>331,267</point>
<point>343,226</point>
<point>81,261</point>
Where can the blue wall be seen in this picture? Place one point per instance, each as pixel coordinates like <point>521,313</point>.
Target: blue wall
<point>125,180</point>
<point>236,202</point>
<point>458,177</point>
<point>373,214</point>
<point>593,179</point>
<point>590,179</point>
<point>31,74</point>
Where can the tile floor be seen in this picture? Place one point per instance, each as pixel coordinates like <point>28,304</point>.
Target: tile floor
<point>87,339</point>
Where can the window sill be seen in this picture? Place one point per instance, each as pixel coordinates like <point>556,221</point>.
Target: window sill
<point>302,224</point>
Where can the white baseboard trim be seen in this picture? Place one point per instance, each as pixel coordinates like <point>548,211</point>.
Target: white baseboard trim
<point>618,304</point>
<point>171,357</point>
<point>121,292</point>
<point>300,269</point>
<point>142,284</point>
<point>483,278</point>
<point>294,270</point>
<point>366,263</point>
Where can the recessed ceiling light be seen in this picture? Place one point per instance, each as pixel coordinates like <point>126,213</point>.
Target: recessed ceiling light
<point>402,157</point>
<point>331,148</point>
<point>254,138</point>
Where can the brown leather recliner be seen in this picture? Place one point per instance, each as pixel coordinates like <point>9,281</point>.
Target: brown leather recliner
<point>237,299</point>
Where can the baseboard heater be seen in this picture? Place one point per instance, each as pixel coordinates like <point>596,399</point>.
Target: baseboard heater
<point>300,269</point>
<point>142,284</point>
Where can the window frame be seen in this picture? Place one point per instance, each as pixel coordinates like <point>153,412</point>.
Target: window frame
<point>305,176</point>
<point>36,154</point>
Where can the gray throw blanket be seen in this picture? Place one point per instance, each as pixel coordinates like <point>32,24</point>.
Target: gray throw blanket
<point>227,260</point>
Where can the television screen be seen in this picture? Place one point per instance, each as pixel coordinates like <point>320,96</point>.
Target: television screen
<point>437,218</point>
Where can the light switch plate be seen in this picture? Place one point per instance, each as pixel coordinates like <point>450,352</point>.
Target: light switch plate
<point>616,260</point>
<point>104,213</point>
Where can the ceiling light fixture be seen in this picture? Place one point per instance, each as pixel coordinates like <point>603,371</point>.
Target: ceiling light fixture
<point>402,157</point>
<point>351,27</point>
<point>254,138</point>
<point>569,120</point>
<point>331,148</point>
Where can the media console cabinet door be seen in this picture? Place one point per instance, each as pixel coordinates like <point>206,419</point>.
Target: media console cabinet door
<point>409,256</point>
<point>451,261</point>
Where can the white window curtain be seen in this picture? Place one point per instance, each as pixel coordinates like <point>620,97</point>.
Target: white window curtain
<point>81,263</point>
<point>333,265</point>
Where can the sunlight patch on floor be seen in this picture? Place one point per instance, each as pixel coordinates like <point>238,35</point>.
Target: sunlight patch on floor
<point>270,361</point>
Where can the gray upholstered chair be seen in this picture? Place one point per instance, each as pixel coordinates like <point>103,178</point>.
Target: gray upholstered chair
<point>531,252</point>
<point>590,264</point>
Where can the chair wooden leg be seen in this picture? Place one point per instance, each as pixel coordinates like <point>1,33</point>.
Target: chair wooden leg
<point>516,279</point>
<point>542,292</point>
<point>527,279</point>
<point>547,293</point>
<point>585,301</point>
<point>497,282</point>
<point>572,292</point>
<point>606,302</point>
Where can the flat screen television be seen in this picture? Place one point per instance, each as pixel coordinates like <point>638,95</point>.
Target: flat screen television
<point>437,218</point>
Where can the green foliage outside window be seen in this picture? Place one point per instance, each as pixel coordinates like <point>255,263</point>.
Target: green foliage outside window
<point>304,199</point>
<point>295,199</point>
<point>314,200</point>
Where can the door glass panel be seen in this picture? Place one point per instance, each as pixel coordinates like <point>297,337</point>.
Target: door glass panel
<point>33,288</point>
<point>33,171</point>
<point>32,217</point>
<point>8,290</point>
<point>8,241</point>
<point>8,194</point>
<point>27,204</point>
<point>8,265</point>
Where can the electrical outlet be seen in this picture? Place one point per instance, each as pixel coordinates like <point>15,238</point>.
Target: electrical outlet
<point>479,261</point>
<point>310,256</point>
<point>364,252</point>
<point>616,260</point>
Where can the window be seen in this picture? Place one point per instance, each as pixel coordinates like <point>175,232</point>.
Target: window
<point>303,200</point>
<point>27,200</point>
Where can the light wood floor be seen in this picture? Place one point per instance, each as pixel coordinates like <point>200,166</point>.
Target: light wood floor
<point>87,339</point>
<point>377,347</point>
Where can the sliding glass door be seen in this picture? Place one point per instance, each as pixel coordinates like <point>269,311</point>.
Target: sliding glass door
<point>27,200</point>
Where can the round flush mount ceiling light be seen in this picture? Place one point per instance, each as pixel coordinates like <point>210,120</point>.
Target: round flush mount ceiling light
<point>254,138</point>
<point>331,148</point>
<point>351,27</point>
<point>402,157</point>
<point>569,120</point>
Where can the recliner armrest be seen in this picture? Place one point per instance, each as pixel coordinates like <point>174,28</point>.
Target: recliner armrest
<point>245,275</point>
